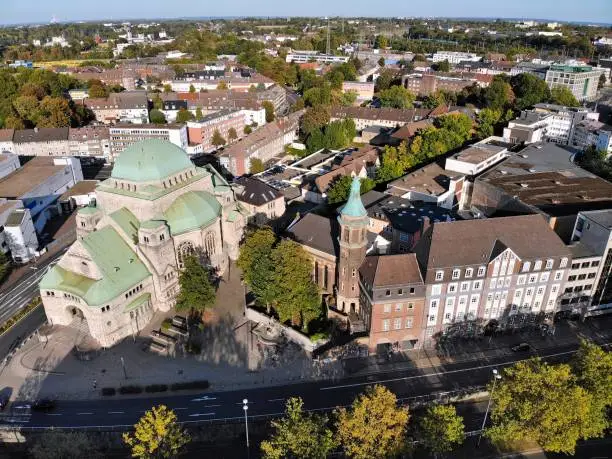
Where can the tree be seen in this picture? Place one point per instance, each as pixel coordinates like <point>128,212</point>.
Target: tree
<point>247,130</point>
<point>198,113</point>
<point>318,96</point>
<point>487,119</point>
<point>602,81</point>
<point>54,112</point>
<point>232,134</point>
<point>269,108</point>
<point>543,403</point>
<point>158,103</point>
<point>315,118</point>
<point>167,88</point>
<point>299,435</point>
<point>97,91</point>
<point>255,261</point>
<point>192,89</point>
<point>396,97</point>
<point>385,80</point>
<point>381,62</point>
<point>217,139</point>
<point>222,85</point>
<point>348,98</point>
<point>374,427</point>
<point>297,296</point>
<point>563,96</point>
<point>256,166</point>
<point>340,188</point>
<point>157,117</point>
<point>442,66</point>
<point>441,429</point>
<point>64,445</point>
<point>381,42</point>
<point>5,266</point>
<point>434,100</point>
<point>27,108</point>
<point>498,95</point>
<point>157,435</point>
<point>183,116</point>
<point>458,123</point>
<point>529,90</point>
<point>197,292</point>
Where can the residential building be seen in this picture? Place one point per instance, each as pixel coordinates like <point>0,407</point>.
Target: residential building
<point>155,210</point>
<point>263,202</point>
<point>424,84</point>
<point>586,133</point>
<point>593,237</point>
<point>582,81</point>
<point>303,57</point>
<point>41,142</point>
<point>8,164</point>
<point>125,135</point>
<point>388,117</point>
<point>17,233</point>
<point>263,144</point>
<point>121,107</point>
<point>237,81</point>
<point>39,183</point>
<point>89,141</point>
<point>6,140</point>
<point>454,57</point>
<point>200,132</point>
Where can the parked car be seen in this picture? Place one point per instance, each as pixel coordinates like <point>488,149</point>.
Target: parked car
<point>3,402</point>
<point>521,347</point>
<point>44,404</point>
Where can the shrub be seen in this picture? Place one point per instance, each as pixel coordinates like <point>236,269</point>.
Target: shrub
<point>156,388</point>
<point>130,390</point>
<point>109,391</point>
<point>190,385</point>
<point>166,324</point>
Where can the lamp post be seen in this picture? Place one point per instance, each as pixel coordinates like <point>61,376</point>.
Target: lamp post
<point>245,407</point>
<point>496,376</point>
<point>124,371</point>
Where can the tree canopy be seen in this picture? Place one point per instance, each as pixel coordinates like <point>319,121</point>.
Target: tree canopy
<point>334,136</point>
<point>299,435</point>
<point>563,96</point>
<point>396,97</point>
<point>441,429</point>
<point>157,435</point>
<point>269,108</point>
<point>217,139</point>
<point>183,116</point>
<point>197,292</point>
<point>340,188</point>
<point>157,117</point>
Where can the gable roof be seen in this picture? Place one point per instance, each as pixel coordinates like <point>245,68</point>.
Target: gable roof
<point>317,232</point>
<point>390,270</point>
<point>256,192</point>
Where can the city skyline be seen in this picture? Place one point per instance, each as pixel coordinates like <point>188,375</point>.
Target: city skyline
<point>598,11</point>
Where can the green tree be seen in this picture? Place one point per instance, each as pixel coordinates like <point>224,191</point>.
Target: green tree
<point>396,97</point>
<point>157,117</point>
<point>374,427</point>
<point>381,62</point>
<point>256,166</point>
<point>487,119</point>
<point>54,112</point>
<point>348,98</point>
<point>222,85</point>
<point>442,66</point>
<point>299,435</point>
<point>247,130</point>
<point>297,296</point>
<point>198,113</point>
<point>434,100</point>
<point>27,108</point>
<point>395,162</point>
<point>458,123</point>
<point>563,96</point>
<point>64,445</point>
<point>5,266</point>
<point>441,429</point>
<point>315,118</point>
<point>602,81</point>
<point>192,89</point>
<point>196,291</point>
<point>158,103</point>
<point>157,435</point>
<point>318,96</point>
<point>543,403</point>
<point>498,95</point>
<point>217,139</point>
<point>269,108</point>
<point>385,80</point>
<point>340,188</point>
<point>529,90</point>
<point>381,42</point>
<point>255,261</point>
<point>232,134</point>
<point>183,116</point>
<point>97,91</point>
<point>167,88</point>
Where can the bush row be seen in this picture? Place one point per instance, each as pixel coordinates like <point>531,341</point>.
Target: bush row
<point>152,388</point>
<point>19,315</point>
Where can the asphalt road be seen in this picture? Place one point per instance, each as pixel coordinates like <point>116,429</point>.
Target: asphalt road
<point>409,385</point>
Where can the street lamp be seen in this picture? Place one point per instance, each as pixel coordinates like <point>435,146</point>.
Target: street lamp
<point>245,407</point>
<point>496,376</point>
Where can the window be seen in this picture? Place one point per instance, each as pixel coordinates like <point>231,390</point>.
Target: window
<point>571,278</point>
<point>538,265</point>
<point>594,264</point>
<point>385,324</point>
<point>388,293</point>
<point>410,306</point>
<point>436,289</point>
<point>563,262</point>
<point>540,291</point>
<point>462,300</point>
<point>398,307</point>
<point>465,286</point>
<point>521,280</point>
<point>433,304</point>
<point>474,300</point>
<point>469,272</point>
<point>184,250</point>
<point>432,319</point>
<point>533,279</point>
<point>477,285</point>
<point>482,271</point>
<point>400,291</point>
<point>582,277</point>
<point>408,322</point>
<point>439,275</point>
<point>456,273</point>
<point>558,275</point>
<point>518,293</point>
<point>569,289</point>
<point>387,308</point>
<point>507,281</point>
<point>544,277</point>
<point>549,263</point>
<point>353,272</point>
<point>554,288</point>
<point>397,323</point>
<point>526,267</point>
<point>452,288</point>
<point>493,283</point>
<point>588,287</point>
<point>585,264</point>
<point>591,275</point>
<point>450,302</point>
<point>412,290</point>
<point>575,265</point>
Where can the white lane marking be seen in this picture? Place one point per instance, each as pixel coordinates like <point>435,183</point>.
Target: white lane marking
<point>440,373</point>
<point>209,406</point>
<point>115,412</point>
<point>195,415</point>
<point>203,399</point>
<point>54,414</point>
<point>250,403</point>
<point>276,400</point>
<point>83,414</point>
<point>177,409</point>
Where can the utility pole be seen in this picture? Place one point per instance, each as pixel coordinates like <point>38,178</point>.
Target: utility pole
<point>496,376</point>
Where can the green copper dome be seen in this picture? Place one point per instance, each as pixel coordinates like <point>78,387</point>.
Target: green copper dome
<point>192,210</point>
<point>150,160</point>
<point>354,206</point>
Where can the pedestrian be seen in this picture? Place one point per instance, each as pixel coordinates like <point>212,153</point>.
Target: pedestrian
<point>95,384</point>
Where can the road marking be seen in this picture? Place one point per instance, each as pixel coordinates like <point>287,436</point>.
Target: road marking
<point>276,400</point>
<point>83,414</point>
<point>54,414</point>
<point>204,399</point>
<point>115,412</point>
<point>440,373</point>
<point>177,409</point>
<point>195,415</point>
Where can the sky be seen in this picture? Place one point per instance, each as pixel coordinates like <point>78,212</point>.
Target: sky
<point>32,11</point>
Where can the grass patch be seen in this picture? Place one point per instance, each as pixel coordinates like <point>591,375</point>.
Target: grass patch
<point>20,315</point>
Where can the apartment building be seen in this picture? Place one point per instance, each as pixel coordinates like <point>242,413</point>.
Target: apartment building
<point>303,57</point>
<point>503,269</point>
<point>124,135</point>
<point>41,142</point>
<point>593,133</point>
<point>121,107</point>
<point>200,132</point>
<point>424,84</point>
<point>388,117</point>
<point>582,81</point>
<point>455,57</point>
<point>8,163</point>
<point>262,144</point>
<point>263,202</point>
<point>6,140</point>
<point>89,141</point>
<point>364,91</point>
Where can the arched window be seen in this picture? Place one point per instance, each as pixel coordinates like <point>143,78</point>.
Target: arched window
<point>210,243</point>
<point>184,250</point>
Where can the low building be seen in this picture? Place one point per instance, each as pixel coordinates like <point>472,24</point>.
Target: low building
<point>424,84</point>
<point>364,91</point>
<point>41,142</point>
<point>582,81</point>
<point>262,144</point>
<point>39,183</point>
<point>303,57</point>
<point>263,202</point>
<point>388,117</point>
<point>8,164</point>
<point>200,132</point>
<point>121,107</point>
<point>455,57</point>
<point>125,135</point>
<point>478,157</point>
<point>17,233</point>
<point>82,194</point>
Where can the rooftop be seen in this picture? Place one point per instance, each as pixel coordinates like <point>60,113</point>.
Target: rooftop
<point>28,177</point>
<point>477,153</point>
<point>317,232</point>
<point>256,192</point>
<point>431,179</point>
<point>80,188</point>
<point>387,114</point>
<point>391,270</point>
<point>6,135</point>
<point>40,135</point>
<point>601,217</point>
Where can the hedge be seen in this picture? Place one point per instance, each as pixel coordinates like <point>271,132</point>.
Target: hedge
<point>20,315</point>
<point>156,388</point>
<point>109,391</point>
<point>130,390</point>
<point>190,385</point>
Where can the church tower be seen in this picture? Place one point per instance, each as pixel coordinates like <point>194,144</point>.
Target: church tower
<point>354,222</point>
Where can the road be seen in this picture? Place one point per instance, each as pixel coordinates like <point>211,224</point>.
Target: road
<point>409,385</point>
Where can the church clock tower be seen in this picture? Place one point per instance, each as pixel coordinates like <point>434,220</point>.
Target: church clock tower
<point>354,222</point>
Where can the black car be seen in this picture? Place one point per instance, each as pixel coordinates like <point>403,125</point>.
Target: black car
<point>44,404</point>
<point>522,347</point>
<point>3,402</point>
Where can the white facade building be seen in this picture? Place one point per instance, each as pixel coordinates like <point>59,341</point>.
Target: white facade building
<point>8,164</point>
<point>454,57</point>
<point>20,235</point>
<point>124,135</point>
<point>303,57</point>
